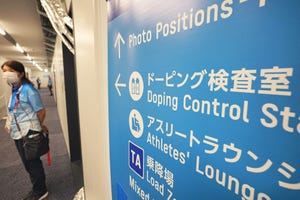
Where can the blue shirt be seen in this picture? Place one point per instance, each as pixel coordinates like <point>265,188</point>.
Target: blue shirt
<point>30,103</point>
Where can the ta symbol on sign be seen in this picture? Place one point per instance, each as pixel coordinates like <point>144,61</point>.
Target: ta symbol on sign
<point>136,159</point>
<point>136,86</point>
<point>136,123</point>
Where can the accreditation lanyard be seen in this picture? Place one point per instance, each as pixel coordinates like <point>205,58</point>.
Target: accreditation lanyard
<point>16,105</point>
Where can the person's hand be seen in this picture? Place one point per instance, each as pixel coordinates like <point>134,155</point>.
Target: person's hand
<point>7,129</point>
<point>7,124</point>
<point>45,129</point>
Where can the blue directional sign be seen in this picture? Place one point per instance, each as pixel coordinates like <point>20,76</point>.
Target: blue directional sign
<point>204,99</point>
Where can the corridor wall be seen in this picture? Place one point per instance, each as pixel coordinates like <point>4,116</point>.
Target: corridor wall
<point>57,75</point>
<point>4,93</point>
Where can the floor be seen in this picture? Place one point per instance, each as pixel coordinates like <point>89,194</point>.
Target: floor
<point>63,178</point>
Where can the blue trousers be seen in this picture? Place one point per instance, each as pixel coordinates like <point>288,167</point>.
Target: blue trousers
<point>35,170</point>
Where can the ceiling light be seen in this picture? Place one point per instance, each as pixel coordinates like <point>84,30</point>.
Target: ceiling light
<point>19,48</point>
<point>37,66</point>
<point>2,31</point>
<point>29,58</point>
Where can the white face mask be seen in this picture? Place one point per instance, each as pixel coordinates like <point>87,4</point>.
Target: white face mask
<point>11,77</point>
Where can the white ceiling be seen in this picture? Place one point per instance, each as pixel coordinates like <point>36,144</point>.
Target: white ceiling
<point>21,21</point>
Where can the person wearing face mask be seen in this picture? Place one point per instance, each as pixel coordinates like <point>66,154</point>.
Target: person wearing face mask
<point>29,112</point>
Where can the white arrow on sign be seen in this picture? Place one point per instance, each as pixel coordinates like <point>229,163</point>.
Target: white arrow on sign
<point>117,84</point>
<point>118,42</point>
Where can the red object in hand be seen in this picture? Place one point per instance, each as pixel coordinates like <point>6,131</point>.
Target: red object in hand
<point>48,158</point>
